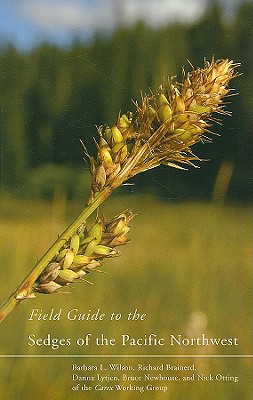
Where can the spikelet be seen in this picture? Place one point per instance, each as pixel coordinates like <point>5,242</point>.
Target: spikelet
<point>74,243</point>
<point>48,288</point>
<point>80,256</point>
<point>50,273</point>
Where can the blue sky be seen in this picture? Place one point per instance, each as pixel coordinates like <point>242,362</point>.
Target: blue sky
<point>27,22</point>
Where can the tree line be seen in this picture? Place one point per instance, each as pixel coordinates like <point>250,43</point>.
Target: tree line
<point>51,97</point>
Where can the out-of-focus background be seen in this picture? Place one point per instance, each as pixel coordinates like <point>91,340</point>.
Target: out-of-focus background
<point>67,66</point>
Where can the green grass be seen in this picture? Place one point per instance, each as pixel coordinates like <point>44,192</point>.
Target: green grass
<point>186,262</point>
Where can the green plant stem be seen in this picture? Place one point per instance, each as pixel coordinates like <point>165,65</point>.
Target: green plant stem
<point>25,289</point>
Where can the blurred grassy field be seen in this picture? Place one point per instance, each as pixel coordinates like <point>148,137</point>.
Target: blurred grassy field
<point>188,267</point>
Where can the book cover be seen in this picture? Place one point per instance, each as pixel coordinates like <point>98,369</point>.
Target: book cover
<point>167,315</point>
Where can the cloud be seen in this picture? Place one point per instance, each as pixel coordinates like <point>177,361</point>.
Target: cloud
<point>160,12</point>
<point>51,15</point>
<point>92,15</point>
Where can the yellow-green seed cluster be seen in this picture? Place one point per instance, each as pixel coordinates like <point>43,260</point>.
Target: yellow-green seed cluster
<point>113,149</point>
<point>84,252</point>
<point>164,127</point>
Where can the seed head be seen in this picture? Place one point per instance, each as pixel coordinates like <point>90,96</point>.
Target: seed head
<point>164,127</point>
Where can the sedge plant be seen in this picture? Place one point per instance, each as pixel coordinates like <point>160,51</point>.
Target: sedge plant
<point>162,130</point>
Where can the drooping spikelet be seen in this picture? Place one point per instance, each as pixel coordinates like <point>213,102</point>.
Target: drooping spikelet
<point>84,252</point>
